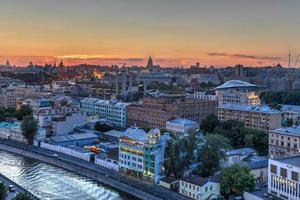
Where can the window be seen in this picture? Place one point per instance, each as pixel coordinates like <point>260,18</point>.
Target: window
<point>295,176</point>
<point>211,187</point>
<point>273,169</point>
<point>206,189</point>
<point>283,172</point>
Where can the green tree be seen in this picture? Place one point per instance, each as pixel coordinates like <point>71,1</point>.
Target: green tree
<point>236,179</point>
<point>24,110</point>
<point>29,127</point>
<point>289,122</point>
<point>22,196</point>
<point>210,155</point>
<point>102,127</point>
<point>275,105</point>
<point>3,191</point>
<point>209,124</point>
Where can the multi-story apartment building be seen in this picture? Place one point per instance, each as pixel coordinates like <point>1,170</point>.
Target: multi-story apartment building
<point>256,117</point>
<point>196,187</point>
<point>113,111</point>
<point>103,91</point>
<point>155,112</point>
<point>283,178</point>
<point>8,99</point>
<point>237,92</point>
<point>141,154</point>
<point>284,141</point>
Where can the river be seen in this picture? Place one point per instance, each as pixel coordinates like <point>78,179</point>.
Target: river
<point>52,183</point>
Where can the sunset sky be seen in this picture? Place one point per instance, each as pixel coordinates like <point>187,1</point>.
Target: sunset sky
<point>173,32</point>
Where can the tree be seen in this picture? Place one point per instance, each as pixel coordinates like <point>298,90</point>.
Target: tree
<point>210,155</point>
<point>209,124</point>
<point>3,191</point>
<point>22,196</point>
<point>237,179</point>
<point>29,127</point>
<point>275,105</point>
<point>289,122</point>
<point>102,127</point>
<point>25,110</point>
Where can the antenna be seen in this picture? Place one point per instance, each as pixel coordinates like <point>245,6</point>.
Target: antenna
<point>297,60</point>
<point>289,59</point>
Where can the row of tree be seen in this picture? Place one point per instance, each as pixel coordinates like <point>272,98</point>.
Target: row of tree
<point>13,113</point>
<point>283,97</point>
<point>238,135</point>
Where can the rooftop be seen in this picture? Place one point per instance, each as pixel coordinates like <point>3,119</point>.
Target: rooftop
<point>72,137</point>
<point>198,180</point>
<point>182,121</point>
<point>286,107</point>
<point>243,151</point>
<point>260,109</point>
<point>105,102</point>
<point>294,130</point>
<point>236,84</point>
<point>8,125</point>
<point>292,160</point>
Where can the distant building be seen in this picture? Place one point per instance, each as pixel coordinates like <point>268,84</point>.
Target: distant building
<point>237,92</point>
<point>256,117</point>
<point>283,178</point>
<point>115,112</point>
<point>141,154</point>
<point>196,187</point>
<point>76,139</point>
<point>8,99</point>
<point>284,141</point>
<point>103,92</point>
<point>155,112</point>
<point>237,156</point>
<point>181,125</point>
<point>201,95</point>
<point>291,112</point>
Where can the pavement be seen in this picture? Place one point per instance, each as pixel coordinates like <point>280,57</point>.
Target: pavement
<point>152,189</point>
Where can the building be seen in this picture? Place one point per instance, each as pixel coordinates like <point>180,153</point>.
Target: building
<point>237,156</point>
<point>196,187</point>
<point>115,112</point>
<point>181,125</point>
<point>64,124</point>
<point>141,154</point>
<point>201,95</point>
<point>283,178</point>
<point>291,112</point>
<point>155,112</point>
<point>12,130</point>
<point>284,141</point>
<point>102,91</point>
<point>237,92</point>
<point>257,117</point>
<point>170,183</point>
<point>75,139</point>
<point>8,99</point>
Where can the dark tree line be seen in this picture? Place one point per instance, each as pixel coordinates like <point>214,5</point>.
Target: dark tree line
<point>283,97</point>
<point>238,135</point>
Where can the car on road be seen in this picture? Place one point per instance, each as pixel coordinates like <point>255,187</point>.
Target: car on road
<point>11,188</point>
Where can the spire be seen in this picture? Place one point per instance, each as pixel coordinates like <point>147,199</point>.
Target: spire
<point>149,63</point>
<point>61,64</point>
<point>7,63</point>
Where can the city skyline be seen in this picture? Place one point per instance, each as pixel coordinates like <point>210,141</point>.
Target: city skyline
<point>174,33</point>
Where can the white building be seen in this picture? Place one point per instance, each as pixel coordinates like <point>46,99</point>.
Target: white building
<point>283,178</point>
<point>291,112</point>
<point>64,124</point>
<point>201,95</point>
<point>141,154</point>
<point>115,112</point>
<point>237,92</point>
<point>196,187</point>
<point>181,125</point>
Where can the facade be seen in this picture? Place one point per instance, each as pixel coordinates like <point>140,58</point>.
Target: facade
<point>8,99</point>
<point>284,141</point>
<point>196,187</point>
<point>291,112</point>
<point>237,92</point>
<point>236,156</point>
<point>155,112</point>
<point>103,91</point>
<point>181,125</point>
<point>115,112</point>
<point>283,178</point>
<point>257,117</point>
<point>201,95</point>
<point>141,154</point>
<point>64,124</point>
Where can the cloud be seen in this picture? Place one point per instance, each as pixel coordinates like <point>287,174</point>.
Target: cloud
<point>243,56</point>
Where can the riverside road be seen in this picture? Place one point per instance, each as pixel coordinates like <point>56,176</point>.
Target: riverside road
<point>115,179</point>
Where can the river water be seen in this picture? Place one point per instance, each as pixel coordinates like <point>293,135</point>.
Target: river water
<point>52,183</point>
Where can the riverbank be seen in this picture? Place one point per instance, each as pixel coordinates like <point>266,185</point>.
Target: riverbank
<point>19,189</point>
<point>108,177</point>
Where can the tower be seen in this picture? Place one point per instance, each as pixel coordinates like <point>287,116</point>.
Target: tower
<point>7,63</point>
<point>289,59</point>
<point>149,63</point>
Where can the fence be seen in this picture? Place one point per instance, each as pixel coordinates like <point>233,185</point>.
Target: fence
<point>70,152</point>
<point>107,164</point>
